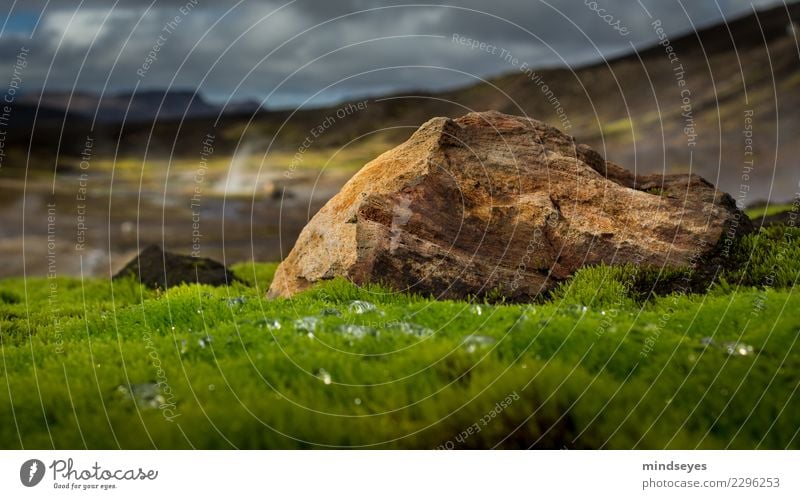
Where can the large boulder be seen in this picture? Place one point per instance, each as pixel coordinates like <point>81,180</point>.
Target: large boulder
<point>492,203</point>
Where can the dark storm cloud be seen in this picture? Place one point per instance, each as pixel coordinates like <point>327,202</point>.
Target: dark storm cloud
<point>246,49</point>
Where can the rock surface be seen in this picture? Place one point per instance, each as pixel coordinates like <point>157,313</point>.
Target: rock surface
<point>156,268</point>
<point>492,203</point>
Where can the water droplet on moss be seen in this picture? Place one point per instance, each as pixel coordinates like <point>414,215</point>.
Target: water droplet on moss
<point>356,331</point>
<point>307,325</point>
<point>238,300</point>
<point>324,376</point>
<point>473,342</point>
<point>738,349</point>
<point>272,324</point>
<point>361,307</point>
<point>410,328</point>
<point>146,395</point>
<point>732,348</point>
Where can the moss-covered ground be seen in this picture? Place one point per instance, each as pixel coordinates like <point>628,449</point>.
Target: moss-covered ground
<point>598,364</point>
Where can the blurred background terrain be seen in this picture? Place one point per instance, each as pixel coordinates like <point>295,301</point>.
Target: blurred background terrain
<point>91,175</point>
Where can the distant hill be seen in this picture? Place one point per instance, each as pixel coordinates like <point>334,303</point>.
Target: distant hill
<point>55,124</point>
<point>632,108</point>
<point>142,106</point>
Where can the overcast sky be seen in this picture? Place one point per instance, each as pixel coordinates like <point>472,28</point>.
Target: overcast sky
<point>316,51</point>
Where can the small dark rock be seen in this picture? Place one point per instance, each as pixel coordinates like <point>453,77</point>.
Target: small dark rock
<point>282,192</point>
<point>156,268</point>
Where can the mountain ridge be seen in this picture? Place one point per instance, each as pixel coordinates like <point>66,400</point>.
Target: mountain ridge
<point>630,108</point>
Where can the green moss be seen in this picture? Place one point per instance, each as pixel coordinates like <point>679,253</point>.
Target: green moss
<point>767,258</point>
<point>598,365</point>
<point>600,286</point>
<point>758,212</point>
